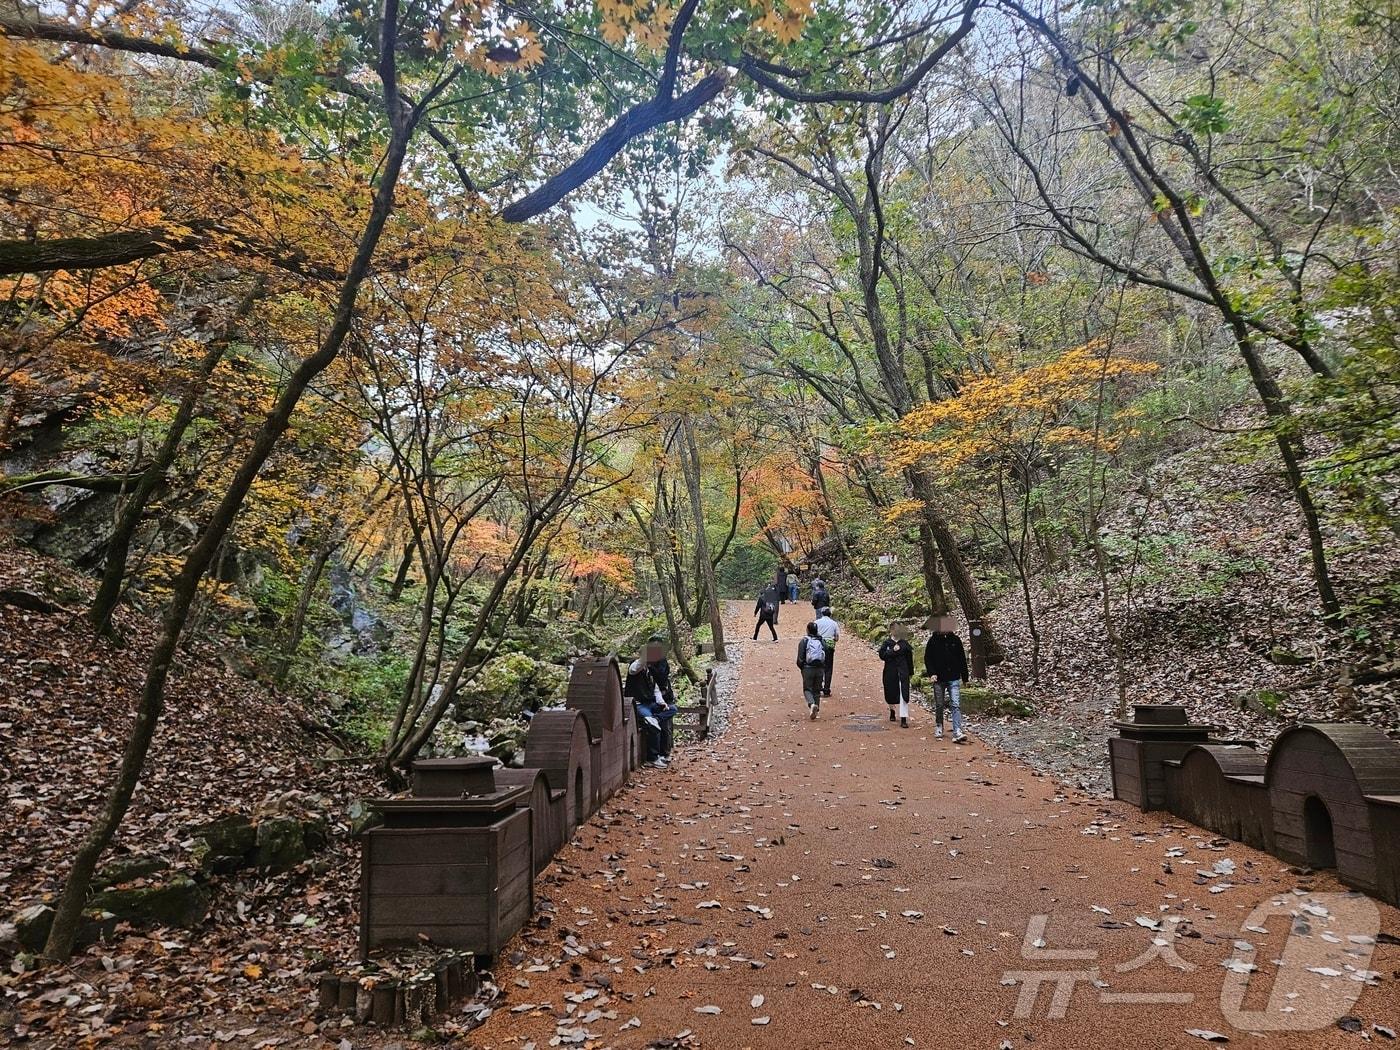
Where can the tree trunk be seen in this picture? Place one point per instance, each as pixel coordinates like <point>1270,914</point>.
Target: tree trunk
<point>401,751</point>
<point>674,548</point>
<point>846,554</point>
<point>401,576</point>
<point>410,697</point>
<point>986,651</point>
<point>69,908</point>
<point>1138,162</point>
<point>690,461</point>
<point>659,565</point>
<point>109,591</point>
<point>296,624</point>
<point>933,574</point>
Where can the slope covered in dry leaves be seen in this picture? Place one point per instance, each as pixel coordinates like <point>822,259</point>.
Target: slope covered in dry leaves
<point>227,745</point>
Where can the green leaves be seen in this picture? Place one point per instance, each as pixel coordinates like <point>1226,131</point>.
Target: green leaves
<point>1204,115</point>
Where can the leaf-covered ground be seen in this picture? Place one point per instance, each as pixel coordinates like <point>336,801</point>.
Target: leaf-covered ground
<point>846,882</point>
<point>1222,620</point>
<point>226,745</point>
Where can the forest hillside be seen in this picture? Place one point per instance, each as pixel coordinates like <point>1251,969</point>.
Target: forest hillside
<point>365,365</point>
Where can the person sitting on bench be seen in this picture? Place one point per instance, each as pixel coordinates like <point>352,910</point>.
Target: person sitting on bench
<point>649,686</point>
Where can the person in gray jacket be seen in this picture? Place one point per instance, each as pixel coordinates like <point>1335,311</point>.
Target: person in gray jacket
<point>830,632</point>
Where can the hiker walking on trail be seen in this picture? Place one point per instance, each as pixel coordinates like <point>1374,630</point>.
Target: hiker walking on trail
<point>830,632</point>
<point>820,598</point>
<point>898,657</point>
<point>780,582</point>
<point>945,662</point>
<point>649,686</point>
<point>811,658</point>
<point>766,609</point>
<point>791,581</point>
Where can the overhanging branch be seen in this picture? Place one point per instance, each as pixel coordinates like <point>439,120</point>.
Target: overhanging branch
<point>127,246</point>
<point>638,120</point>
<point>759,71</point>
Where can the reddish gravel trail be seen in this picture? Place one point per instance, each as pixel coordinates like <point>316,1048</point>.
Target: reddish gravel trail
<point>823,842</point>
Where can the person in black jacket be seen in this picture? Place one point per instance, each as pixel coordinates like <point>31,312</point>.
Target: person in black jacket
<point>898,656</point>
<point>811,656</point>
<point>649,687</point>
<point>766,609</point>
<point>820,598</point>
<point>780,582</point>
<point>946,663</point>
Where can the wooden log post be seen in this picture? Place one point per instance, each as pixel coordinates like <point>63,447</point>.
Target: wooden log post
<point>328,997</point>
<point>382,1006</point>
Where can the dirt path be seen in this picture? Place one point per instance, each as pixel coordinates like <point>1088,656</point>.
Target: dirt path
<point>875,886</point>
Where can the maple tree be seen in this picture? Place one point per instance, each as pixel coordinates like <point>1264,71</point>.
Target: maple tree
<point>1016,428</point>
<point>401,116</point>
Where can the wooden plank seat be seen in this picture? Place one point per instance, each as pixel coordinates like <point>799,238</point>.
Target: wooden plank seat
<point>1221,787</point>
<point>548,808</point>
<point>1319,777</point>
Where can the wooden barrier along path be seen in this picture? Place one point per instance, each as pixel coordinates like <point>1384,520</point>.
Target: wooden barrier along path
<point>453,865</point>
<point>1327,795</point>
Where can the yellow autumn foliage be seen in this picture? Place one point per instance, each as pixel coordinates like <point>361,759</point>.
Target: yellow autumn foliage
<point>992,413</point>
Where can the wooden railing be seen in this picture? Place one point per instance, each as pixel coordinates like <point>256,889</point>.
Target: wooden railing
<point>695,718</point>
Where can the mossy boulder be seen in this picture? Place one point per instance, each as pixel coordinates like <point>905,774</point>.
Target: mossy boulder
<point>1287,658</point>
<point>179,901</point>
<point>511,683</point>
<point>1263,702</point>
<point>362,816</point>
<point>980,700</point>
<point>128,869</point>
<point>32,925</point>
<point>280,844</point>
<point>275,843</point>
<point>317,833</point>
<point>222,846</point>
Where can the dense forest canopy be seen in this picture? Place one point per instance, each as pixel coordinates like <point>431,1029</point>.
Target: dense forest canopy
<point>403,344</point>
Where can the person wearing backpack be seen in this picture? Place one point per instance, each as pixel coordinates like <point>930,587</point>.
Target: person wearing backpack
<point>766,609</point>
<point>898,657</point>
<point>945,662</point>
<point>830,632</point>
<point>811,657</point>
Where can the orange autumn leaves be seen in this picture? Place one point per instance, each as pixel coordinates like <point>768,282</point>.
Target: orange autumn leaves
<point>1041,406</point>
<point>486,36</point>
<point>782,499</point>
<point>93,148</point>
<point>649,22</point>
<point>96,148</point>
